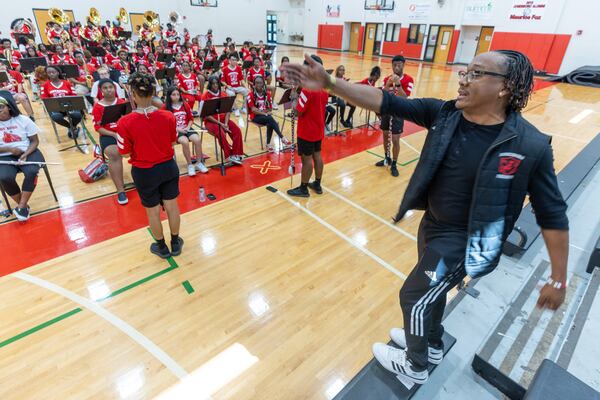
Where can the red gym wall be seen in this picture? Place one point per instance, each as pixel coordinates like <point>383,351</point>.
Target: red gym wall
<point>330,36</point>
<point>453,46</point>
<point>400,47</point>
<point>545,50</point>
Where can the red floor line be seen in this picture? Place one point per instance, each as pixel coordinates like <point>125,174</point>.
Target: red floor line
<point>58,232</point>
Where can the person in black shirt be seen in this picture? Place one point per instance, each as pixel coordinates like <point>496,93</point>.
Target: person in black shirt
<point>480,160</point>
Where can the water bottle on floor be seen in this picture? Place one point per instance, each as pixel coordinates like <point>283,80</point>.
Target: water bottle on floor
<point>201,194</point>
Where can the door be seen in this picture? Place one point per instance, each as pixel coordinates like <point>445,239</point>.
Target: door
<point>41,18</point>
<point>137,20</point>
<point>354,36</point>
<point>370,32</point>
<point>271,28</point>
<point>442,47</point>
<point>378,39</point>
<point>485,39</point>
<point>431,42</point>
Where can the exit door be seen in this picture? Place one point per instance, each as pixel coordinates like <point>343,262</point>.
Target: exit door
<point>370,33</point>
<point>354,36</point>
<point>485,39</point>
<point>271,28</point>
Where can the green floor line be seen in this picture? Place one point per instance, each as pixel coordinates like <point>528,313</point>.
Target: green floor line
<point>188,287</point>
<point>39,327</point>
<point>374,154</point>
<point>172,265</point>
<point>400,164</point>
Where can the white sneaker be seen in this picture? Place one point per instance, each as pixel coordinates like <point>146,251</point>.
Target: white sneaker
<point>434,356</point>
<point>201,167</point>
<point>191,170</point>
<point>244,110</point>
<point>236,112</point>
<point>236,160</point>
<point>275,107</point>
<point>285,141</point>
<point>395,360</point>
<point>270,148</point>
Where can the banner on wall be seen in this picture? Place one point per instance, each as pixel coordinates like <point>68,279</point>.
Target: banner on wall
<point>528,10</point>
<point>478,9</point>
<point>419,10</point>
<point>333,10</point>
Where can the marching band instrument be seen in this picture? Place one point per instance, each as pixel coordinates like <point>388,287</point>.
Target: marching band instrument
<point>175,18</point>
<point>94,16</point>
<point>123,16</point>
<point>57,15</point>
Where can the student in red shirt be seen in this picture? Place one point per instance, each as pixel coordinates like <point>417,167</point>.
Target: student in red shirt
<point>108,136</point>
<point>15,87</point>
<point>188,85</point>
<point>260,105</point>
<point>60,58</point>
<point>310,108</point>
<point>399,84</point>
<point>257,70</point>
<point>233,77</point>
<point>185,134</point>
<point>373,77</point>
<point>234,151</point>
<point>147,136</point>
<point>56,87</point>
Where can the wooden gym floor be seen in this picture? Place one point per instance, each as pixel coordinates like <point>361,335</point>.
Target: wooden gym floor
<point>272,298</point>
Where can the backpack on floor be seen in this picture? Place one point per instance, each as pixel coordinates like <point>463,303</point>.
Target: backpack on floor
<point>95,170</point>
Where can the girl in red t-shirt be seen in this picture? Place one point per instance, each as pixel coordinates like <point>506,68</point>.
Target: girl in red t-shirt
<point>56,87</point>
<point>260,105</point>
<point>108,136</point>
<point>220,125</point>
<point>185,133</point>
<point>188,85</point>
<point>147,135</point>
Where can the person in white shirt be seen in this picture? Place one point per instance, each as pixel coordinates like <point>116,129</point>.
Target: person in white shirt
<point>96,93</point>
<point>18,143</point>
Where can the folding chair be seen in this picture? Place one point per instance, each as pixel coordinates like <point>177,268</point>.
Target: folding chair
<point>45,168</point>
<point>248,121</point>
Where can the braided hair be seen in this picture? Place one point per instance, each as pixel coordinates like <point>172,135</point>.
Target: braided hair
<point>519,78</point>
<point>142,84</point>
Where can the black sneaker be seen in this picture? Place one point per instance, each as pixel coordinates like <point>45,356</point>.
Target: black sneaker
<point>122,198</point>
<point>383,163</point>
<point>22,214</point>
<point>316,187</point>
<point>349,123</point>
<point>70,134</point>
<point>299,192</point>
<point>162,253</point>
<point>176,247</point>
<point>394,170</point>
<point>31,117</point>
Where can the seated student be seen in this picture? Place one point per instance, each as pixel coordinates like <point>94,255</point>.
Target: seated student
<point>60,58</point>
<point>185,134</point>
<point>176,63</point>
<point>260,105</point>
<point>257,70</point>
<point>329,116</point>
<point>10,54</point>
<point>188,84</point>
<point>18,142</point>
<point>233,78</point>
<point>235,151</point>
<point>80,83</point>
<point>44,52</point>
<point>15,87</point>
<point>96,93</point>
<point>279,77</point>
<point>56,87</point>
<point>373,77</point>
<point>340,71</point>
<point>139,56</point>
<point>108,136</point>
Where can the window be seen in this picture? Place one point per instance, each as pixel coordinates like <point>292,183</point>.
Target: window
<point>392,32</point>
<point>416,33</point>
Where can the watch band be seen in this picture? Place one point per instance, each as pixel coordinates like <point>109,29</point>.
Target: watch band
<point>331,83</point>
<point>556,284</point>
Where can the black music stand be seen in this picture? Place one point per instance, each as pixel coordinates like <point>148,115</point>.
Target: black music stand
<point>221,105</point>
<point>209,65</point>
<point>115,112</point>
<point>97,51</point>
<point>124,35</point>
<point>5,62</point>
<point>165,73</point>
<point>165,58</point>
<point>67,70</point>
<point>65,105</point>
<point>28,36</point>
<point>247,64</point>
<point>4,77</point>
<point>30,64</point>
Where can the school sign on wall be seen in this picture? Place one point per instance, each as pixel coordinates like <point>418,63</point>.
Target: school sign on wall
<point>528,10</point>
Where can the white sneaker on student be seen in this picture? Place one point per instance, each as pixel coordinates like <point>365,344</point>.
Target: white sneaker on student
<point>270,148</point>
<point>191,170</point>
<point>434,356</point>
<point>201,167</point>
<point>236,112</point>
<point>275,107</point>
<point>395,360</point>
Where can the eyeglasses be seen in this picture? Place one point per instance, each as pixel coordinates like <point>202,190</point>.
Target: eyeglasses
<point>470,76</point>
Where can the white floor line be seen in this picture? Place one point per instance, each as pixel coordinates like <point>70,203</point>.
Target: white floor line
<point>118,323</point>
<point>409,146</point>
<point>371,214</point>
<point>343,236</point>
<point>581,116</point>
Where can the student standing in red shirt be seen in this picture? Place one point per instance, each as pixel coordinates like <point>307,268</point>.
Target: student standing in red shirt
<point>399,84</point>
<point>233,151</point>
<point>108,136</point>
<point>147,136</point>
<point>311,130</point>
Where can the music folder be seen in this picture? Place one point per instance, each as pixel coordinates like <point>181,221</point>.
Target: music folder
<point>115,112</point>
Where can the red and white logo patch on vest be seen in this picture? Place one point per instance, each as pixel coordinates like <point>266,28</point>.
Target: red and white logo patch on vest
<point>508,165</point>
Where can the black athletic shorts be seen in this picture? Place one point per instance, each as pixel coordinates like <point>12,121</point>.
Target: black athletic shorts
<point>308,148</point>
<point>397,124</point>
<point>160,182</point>
<point>106,141</point>
<point>187,134</point>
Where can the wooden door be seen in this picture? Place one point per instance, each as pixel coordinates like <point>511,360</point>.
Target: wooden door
<point>370,32</point>
<point>354,36</point>
<point>41,18</point>
<point>137,19</point>
<point>443,44</point>
<point>485,39</point>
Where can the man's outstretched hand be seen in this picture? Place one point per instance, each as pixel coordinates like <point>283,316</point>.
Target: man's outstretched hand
<point>312,76</point>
